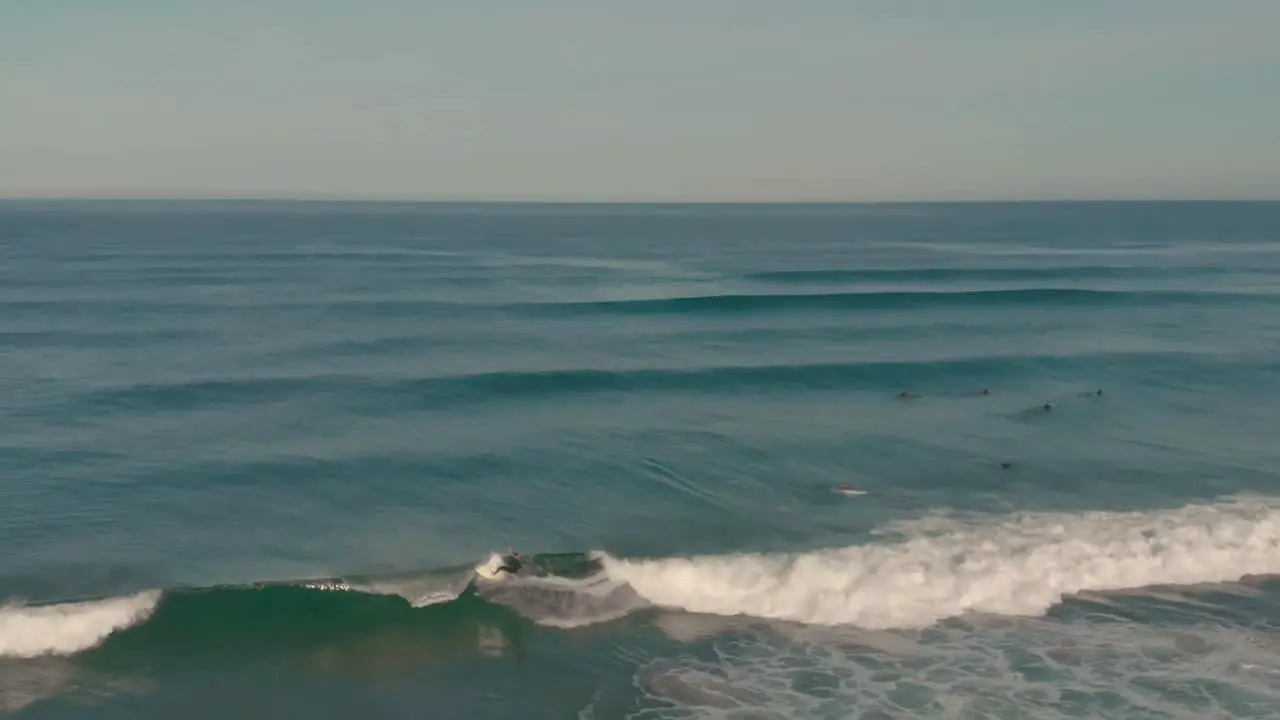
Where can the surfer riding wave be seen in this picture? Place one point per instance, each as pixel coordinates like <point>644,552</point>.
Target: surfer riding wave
<point>508,565</point>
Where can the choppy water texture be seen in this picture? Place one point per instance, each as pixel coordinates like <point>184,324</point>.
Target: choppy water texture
<point>251,453</point>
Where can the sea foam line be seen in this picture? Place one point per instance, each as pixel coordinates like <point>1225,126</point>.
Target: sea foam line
<point>67,628</point>
<point>1013,565</point>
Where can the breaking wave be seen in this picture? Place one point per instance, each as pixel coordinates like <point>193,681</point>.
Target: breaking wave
<point>1020,565</point>
<point>907,576</point>
<point>67,628</point>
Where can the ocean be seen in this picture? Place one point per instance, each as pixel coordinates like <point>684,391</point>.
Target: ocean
<point>253,453</point>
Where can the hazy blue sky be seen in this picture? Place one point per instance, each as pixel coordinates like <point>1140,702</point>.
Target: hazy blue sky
<point>660,99</point>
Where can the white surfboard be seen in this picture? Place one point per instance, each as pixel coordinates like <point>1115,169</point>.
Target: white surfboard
<point>489,570</point>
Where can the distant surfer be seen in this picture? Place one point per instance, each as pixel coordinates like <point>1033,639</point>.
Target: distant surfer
<point>904,395</point>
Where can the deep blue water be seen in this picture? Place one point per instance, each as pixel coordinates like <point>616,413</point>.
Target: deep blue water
<point>252,452</point>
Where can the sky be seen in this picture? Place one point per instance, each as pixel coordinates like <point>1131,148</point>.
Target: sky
<point>685,100</point>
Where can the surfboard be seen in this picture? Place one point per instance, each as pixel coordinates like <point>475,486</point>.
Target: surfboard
<point>489,570</point>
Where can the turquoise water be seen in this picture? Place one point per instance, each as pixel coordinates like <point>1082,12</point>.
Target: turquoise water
<point>252,453</point>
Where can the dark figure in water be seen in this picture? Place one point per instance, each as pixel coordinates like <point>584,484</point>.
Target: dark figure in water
<point>986,391</point>
<point>1006,465</point>
<point>512,563</point>
<point>1047,407</point>
<point>904,395</point>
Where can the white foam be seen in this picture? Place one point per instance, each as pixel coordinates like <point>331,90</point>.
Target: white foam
<point>1021,668</point>
<point>67,628</point>
<point>565,602</point>
<point>1009,565</point>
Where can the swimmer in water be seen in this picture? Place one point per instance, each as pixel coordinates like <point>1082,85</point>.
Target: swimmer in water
<point>1006,465</point>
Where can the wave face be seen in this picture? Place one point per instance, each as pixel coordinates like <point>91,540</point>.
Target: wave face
<point>767,302</point>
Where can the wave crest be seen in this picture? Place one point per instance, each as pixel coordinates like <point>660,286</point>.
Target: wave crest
<point>66,628</point>
<point>882,300</point>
